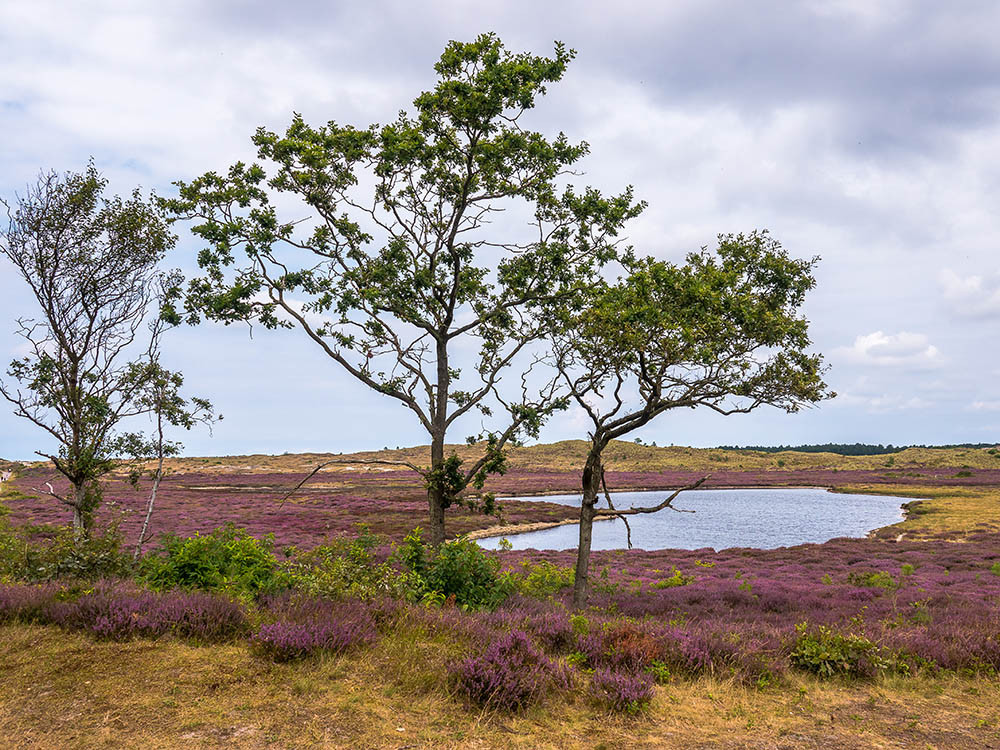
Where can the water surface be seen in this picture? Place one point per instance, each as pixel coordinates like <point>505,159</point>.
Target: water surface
<point>761,518</point>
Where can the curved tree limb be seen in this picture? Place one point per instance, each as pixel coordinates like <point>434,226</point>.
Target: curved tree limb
<point>323,465</point>
<point>633,511</point>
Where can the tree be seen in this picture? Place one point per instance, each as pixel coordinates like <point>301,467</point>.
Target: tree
<point>91,263</point>
<point>391,286</point>
<point>162,399</point>
<point>721,331</point>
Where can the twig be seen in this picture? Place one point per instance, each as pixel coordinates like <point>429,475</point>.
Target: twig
<point>633,511</point>
<point>607,495</point>
<point>323,465</point>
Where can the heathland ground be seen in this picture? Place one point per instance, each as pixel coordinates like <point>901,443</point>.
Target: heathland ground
<point>720,627</point>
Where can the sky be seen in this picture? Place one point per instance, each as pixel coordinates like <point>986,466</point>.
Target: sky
<point>862,131</point>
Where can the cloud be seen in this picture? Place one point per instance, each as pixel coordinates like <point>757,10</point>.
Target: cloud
<point>984,406</point>
<point>971,296</point>
<point>884,403</point>
<point>903,349</point>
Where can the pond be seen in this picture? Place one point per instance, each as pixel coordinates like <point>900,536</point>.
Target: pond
<point>761,518</point>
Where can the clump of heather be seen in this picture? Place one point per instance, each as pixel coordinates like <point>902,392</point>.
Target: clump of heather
<point>622,645</point>
<point>621,692</point>
<point>310,627</point>
<point>509,675</point>
<point>26,603</point>
<point>122,612</point>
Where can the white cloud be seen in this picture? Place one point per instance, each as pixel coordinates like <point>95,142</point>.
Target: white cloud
<point>972,296</point>
<point>884,403</point>
<point>984,406</point>
<point>903,349</point>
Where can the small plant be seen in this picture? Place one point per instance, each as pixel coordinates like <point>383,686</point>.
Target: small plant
<point>827,579</point>
<point>659,671</point>
<point>541,580</point>
<point>622,692</point>
<point>873,579</point>
<point>676,578</point>
<point>828,653</point>
<point>995,568</point>
<point>580,624</point>
<point>509,675</point>
<point>906,569</point>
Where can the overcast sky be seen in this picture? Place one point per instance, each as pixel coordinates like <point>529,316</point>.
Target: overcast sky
<point>862,131</point>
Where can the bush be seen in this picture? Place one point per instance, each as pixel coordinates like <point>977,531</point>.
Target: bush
<point>228,559</point>
<point>509,675</point>
<point>459,570</point>
<point>828,653</point>
<point>541,580</point>
<point>59,555</point>
<point>121,613</point>
<point>285,641</point>
<point>621,692</point>
<point>873,579</point>
<point>23,603</point>
<point>349,568</point>
<point>621,645</point>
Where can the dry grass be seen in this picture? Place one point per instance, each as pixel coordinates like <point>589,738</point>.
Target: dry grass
<point>569,455</point>
<point>67,691</point>
<point>955,511</point>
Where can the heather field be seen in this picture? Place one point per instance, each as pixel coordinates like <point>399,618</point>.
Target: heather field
<point>202,493</point>
<point>888,641</point>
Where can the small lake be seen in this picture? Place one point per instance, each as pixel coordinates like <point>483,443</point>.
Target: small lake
<point>761,518</point>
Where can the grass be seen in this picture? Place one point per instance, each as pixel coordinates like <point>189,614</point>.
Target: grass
<point>68,691</point>
<point>953,511</point>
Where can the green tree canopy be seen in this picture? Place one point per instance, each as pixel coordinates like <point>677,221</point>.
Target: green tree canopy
<point>395,258</point>
<point>722,331</point>
<point>91,263</point>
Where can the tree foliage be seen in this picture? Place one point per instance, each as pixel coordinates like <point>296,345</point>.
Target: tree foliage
<point>91,263</point>
<point>390,283</point>
<point>721,331</point>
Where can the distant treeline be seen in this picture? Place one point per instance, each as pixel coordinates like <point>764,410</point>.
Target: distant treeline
<point>845,449</point>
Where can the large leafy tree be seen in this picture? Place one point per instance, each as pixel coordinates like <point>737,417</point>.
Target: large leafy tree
<point>391,283</point>
<point>722,331</point>
<point>91,263</point>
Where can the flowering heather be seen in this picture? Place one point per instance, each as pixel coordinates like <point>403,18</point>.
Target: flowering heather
<point>621,692</point>
<point>26,603</point>
<point>509,675</point>
<point>120,611</point>
<point>393,502</point>
<point>309,627</point>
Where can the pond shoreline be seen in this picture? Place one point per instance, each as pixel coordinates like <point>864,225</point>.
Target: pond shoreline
<point>503,531</point>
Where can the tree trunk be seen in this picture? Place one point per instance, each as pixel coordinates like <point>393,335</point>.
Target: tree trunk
<point>149,509</point>
<point>591,489</point>
<point>439,419</point>
<point>435,494</point>
<point>79,522</point>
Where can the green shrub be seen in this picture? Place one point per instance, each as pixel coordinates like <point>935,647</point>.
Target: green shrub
<point>348,568</point>
<point>541,580</point>
<point>676,578</point>
<point>459,570</point>
<point>877,579</point>
<point>995,569</point>
<point>228,559</point>
<point>36,554</point>
<point>827,653</point>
